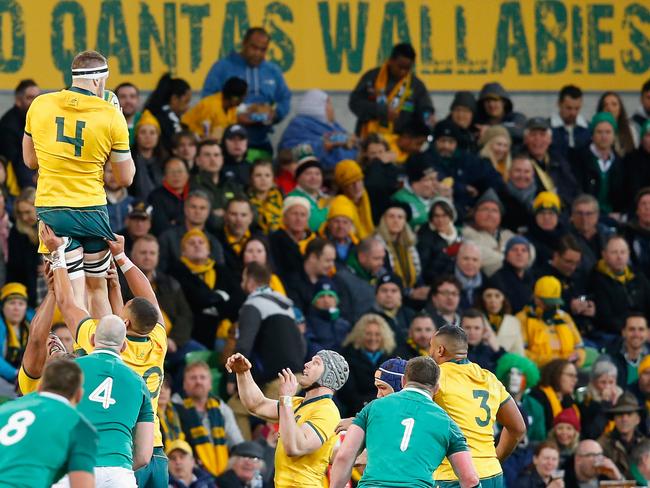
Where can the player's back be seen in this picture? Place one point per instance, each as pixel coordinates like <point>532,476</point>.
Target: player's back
<point>73,132</point>
<point>115,400</point>
<point>406,429</point>
<point>472,396</point>
<point>40,435</point>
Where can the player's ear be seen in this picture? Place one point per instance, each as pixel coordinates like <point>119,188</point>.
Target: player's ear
<point>92,340</point>
<point>403,381</point>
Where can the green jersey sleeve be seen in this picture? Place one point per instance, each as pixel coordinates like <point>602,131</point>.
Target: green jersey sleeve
<point>361,420</point>
<point>457,442</point>
<point>146,410</point>
<point>83,447</point>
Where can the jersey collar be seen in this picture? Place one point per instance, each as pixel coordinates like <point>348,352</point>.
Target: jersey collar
<point>83,91</point>
<point>459,361</point>
<point>55,396</point>
<point>106,351</point>
<point>418,390</point>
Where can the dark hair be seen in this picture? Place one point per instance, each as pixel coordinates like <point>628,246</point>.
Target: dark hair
<point>24,85</point>
<point>645,87</point>
<point>422,370</point>
<point>570,91</point>
<point>441,280</point>
<point>88,59</point>
<point>422,314</point>
<point>640,194</point>
<point>261,240</point>
<point>234,88</point>
<point>254,30</point>
<point>613,237</point>
<point>170,159</point>
<point>261,162</point>
<point>126,84</point>
<point>366,245</point>
<point>260,273</point>
<point>403,50</point>
<point>285,156</point>
<point>62,376</point>
<point>179,136</point>
<point>445,208</point>
<point>206,142</point>
<point>239,199</point>
<point>506,307</point>
<point>453,332</point>
<point>550,374</point>
<point>414,129</point>
<point>624,131</point>
<point>58,325</point>
<point>317,246</point>
<point>165,89</point>
<point>635,314</point>
<point>144,314</point>
<point>471,313</point>
<point>521,155</point>
<point>567,243</point>
<point>545,445</point>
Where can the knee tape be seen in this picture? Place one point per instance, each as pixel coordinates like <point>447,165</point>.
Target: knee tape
<point>96,267</point>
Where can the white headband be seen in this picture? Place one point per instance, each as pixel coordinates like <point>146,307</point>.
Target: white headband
<point>91,73</point>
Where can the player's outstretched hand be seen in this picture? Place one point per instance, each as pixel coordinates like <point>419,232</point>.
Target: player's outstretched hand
<point>288,383</point>
<point>116,246</point>
<point>344,425</point>
<point>237,363</point>
<point>49,238</point>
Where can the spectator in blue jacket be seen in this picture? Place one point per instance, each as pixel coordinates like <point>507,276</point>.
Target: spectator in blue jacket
<point>268,99</point>
<point>315,124</point>
<point>570,129</point>
<point>325,328</point>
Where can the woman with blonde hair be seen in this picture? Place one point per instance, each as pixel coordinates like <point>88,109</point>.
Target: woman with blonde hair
<point>22,243</point>
<point>495,146</point>
<point>369,343</point>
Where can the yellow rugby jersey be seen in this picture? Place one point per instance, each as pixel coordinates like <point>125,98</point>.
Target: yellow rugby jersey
<point>471,396</point>
<point>74,132</point>
<point>309,470</point>
<point>26,383</point>
<point>144,355</point>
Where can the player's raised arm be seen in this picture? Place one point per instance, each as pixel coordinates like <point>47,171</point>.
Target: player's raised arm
<point>346,455</point>
<point>514,429</point>
<point>249,393</point>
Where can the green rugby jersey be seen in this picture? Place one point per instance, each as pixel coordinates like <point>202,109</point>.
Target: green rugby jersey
<point>407,436</point>
<point>42,438</point>
<point>115,399</point>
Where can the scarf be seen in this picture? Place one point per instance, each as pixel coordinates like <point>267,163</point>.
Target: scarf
<point>468,284</point>
<point>16,344</point>
<point>170,424</point>
<point>210,447</point>
<point>373,357</point>
<point>269,210</point>
<point>276,285</point>
<point>396,99</point>
<point>182,195</point>
<point>365,225</point>
<point>623,278</point>
<point>403,265</point>
<point>302,243</point>
<point>547,181</point>
<point>449,238</point>
<point>495,320</point>
<point>237,244</point>
<point>554,401</point>
<point>355,266</point>
<point>525,196</point>
<point>206,271</point>
<point>420,350</point>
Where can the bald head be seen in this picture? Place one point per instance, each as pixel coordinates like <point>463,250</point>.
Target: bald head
<point>588,446</point>
<point>110,333</point>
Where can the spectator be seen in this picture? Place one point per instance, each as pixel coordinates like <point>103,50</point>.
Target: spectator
<point>495,146</point>
<point>589,466</point>
<point>339,227</point>
<point>196,213</point>
<point>637,232</point>
<point>641,390</point>
<point>129,97</point>
<point>356,280</point>
<point>389,305</point>
<point>12,128</point>
<point>148,156</point>
<point>549,332</point>
<point>236,155</point>
<point>209,161</point>
<point>369,343</point>
<point>438,240</point>
<point>420,332</point>
<point>461,113</point>
<point>519,194</point>
<point>468,273</point>
<point>410,141</point>
<point>495,108</point>
<point>598,167</point>
<point>208,423</point>
<point>348,177</point>
<point>381,173</point>
<point>642,113</point>
<point>497,309</point>
<point>209,118</point>
<point>167,103</point>
<point>5,227</point>
<point>287,165</point>
<point>382,94</point>
<point>570,129</point>
<point>552,171</point>
<point>168,200</point>
<point>23,244</point>
<point>183,471</point>
<point>290,240</point>
<point>184,145</point>
<point>210,289</point>
<point>444,298</point>
<point>118,200</point>
<point>137,224</point>
<point>256,250</point>
<point>318,263</point>
<point>315,124</point>
<point>626,139</point>
<point>170,424</point>
<point>485,230</point>
<point>515,277</point>
<point>617,290</point>
<point>244,466</point>
<point>546,229</point>
<point>483,347</point>
<point>640,463</point>
<point>309,181</point>
<point>325,327</point>
<point>620,442</point>
<point>566,433</point>
<point>236,231</point>
<point>630,349</point>
<point>265,197</point>
<point>268,98</point>
<point>585,227</point>
<point>543,472</point>
<point>15,319</point>
<point>602,393</point>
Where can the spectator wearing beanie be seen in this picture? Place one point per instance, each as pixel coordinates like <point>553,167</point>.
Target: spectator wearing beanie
<point>388,304</point>
<point>326,329</point>
<point>515,276</point>
<point>309,180</point>
<point>339,227</point>
<point>602,394</point>
<point>348,177</point>
<point>14,330</point>
<point>566,433</point>
<point>546,229</point>
<point>461,113</point>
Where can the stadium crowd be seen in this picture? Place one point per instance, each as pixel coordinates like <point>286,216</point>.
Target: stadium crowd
<point>531,232</point>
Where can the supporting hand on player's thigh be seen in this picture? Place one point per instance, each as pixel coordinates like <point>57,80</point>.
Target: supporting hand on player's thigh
<point>49,238</point>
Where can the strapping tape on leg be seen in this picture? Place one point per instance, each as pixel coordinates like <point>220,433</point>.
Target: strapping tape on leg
<point>75,267</point>
<point>97,268</point>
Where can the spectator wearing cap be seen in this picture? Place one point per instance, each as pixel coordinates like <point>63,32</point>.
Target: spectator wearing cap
<point>369,343</point>
<point>617,288</point>
<point>468,273</point>
<point>289,242</point>
<point>118,200</point>
<point>566,433</point>
<point>245,464</point>
<point>637,232</point>
<point>515,276</point>
<point>495,108</point>
<point>148,156</point>
<point>309,181</point>
<point>438,240</point>
<point>339,227</point>
<point>602,393</point>
<point>348,178</point>
<point>630,350</point>
<point>167,200</point>
<point>552,172</point>
<point>586,227</point>
<point>548,331</point>
<point>183,471</point>
<point>486,232</point>
<point>389,304</point>
<point>136,224</point>
<point>482,345</point>
<point>461,112</point>
<point>15,319</point>
<point>318,262</point>
<point>519,194</point>
<point>599,169</point>
<point>420,333</point>
<point>265,196</point>
<point>209,118</point>
<point>388,377</point>
<point>546,228</point>
<point>620,442</point>
<point>236,157</point>
<point>495,144</point>
<point>268,98</point>
<point>636,163</point>
<point>494,304</point>
<point>471,176</point>
<point>315,124</point>
<point>326,329</point>
<point>570,128</point>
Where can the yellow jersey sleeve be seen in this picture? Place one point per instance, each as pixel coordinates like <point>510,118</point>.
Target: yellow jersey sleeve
<point>85,330</point>
<point>28,119</point>
<point>26,383</point>
<point>119,133</point>
<point>324,421</point>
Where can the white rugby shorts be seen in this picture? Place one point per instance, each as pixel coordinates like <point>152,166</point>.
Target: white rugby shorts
<point>106,477</point>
